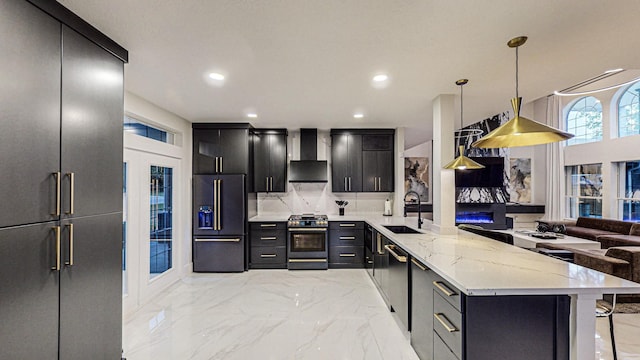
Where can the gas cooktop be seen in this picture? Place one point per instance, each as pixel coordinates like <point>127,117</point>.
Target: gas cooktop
<point>308,220</point>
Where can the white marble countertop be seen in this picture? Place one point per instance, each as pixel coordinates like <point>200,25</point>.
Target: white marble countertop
<point>481,266</point>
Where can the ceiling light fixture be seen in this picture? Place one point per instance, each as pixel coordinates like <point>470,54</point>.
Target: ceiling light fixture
<point>216,76</point>
<point>562,93</point>
<point>358,115</point>
<point>252,115</point>
<point>529,132</point>
<point>462,162</point>
<point>380,78</point>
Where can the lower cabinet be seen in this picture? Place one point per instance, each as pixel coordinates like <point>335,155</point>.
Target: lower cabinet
<point>346,244</point>
<point>448,325</point>
<point>399,287</point>
<point>381,265</point>
<point>268,242</point>
<point>218,254</point>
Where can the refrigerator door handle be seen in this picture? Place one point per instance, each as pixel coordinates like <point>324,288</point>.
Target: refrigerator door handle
<point>217,240</point>
<point>218,202</point>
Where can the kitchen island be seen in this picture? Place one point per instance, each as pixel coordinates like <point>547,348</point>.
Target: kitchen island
<point>478,266</point>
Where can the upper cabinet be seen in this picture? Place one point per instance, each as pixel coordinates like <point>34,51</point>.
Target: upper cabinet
<point>270,160</point>
<point>346,161</point>
<point>362,160</point>
<point>221,148</point>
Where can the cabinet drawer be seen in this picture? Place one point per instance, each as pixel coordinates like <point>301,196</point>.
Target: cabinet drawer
<point>346,254</point>
<point>268,238</point>
<point>449,292</point>
<point>441,351</point>
<point>447,323</point>
<point>269,255</point>
<point>346,238</point>
<point>274,225</point>
<point>341,225</point>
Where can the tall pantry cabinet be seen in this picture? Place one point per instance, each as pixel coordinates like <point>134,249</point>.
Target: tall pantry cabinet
<point>61,95</point>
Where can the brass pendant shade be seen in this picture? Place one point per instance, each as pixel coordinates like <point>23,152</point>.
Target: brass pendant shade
<point>463,163</point>
<point>520,131</point>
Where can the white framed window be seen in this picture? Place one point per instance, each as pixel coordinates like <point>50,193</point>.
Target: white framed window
<point>141,128</point>
<point>628,201</point>
<point>584,190</point>
<point>629,111</point>
<point>584,120</point>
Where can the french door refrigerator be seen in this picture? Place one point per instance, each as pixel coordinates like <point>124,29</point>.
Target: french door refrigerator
<point>219,223</point>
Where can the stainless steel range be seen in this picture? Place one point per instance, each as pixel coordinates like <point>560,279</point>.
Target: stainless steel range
<point>307,242</point>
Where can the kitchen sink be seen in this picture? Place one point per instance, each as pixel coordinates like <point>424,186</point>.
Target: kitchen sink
<point>401,229</point>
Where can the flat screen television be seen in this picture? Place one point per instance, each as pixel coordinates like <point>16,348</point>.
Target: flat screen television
<point>491,176</point>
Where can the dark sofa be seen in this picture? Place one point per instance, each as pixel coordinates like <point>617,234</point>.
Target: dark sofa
<point>608,232</point>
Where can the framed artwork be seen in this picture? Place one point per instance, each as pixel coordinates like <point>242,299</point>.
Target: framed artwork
<point>520,180</point>
<point>416,176</point>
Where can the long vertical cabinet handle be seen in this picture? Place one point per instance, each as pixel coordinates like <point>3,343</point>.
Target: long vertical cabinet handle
<point>56,267</point>
<point>218,204</point>
<point>271,182</point>
<point>56,212</point>
<point>267,182</point>
<point>70,262</point>
<point>216,164</point>
<point>72,186</point>
<point>215,204</point>
<point>221,168</point>
<point>345,184</point>
<point>349,183</point>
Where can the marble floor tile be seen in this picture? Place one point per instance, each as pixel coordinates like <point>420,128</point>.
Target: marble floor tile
<point>280,314</point>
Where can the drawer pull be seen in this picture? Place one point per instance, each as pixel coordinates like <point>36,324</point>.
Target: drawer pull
<point>442,287</point>
<point>269,238</point>
<point>445,322</point>
<point>347,237</point>
<point>347,225</point>
<point>420,266</point>
<point>217,240</point>
<point>390,249</point>
<point>267,255</point>
<point>268,225</point>
<point>347,255</point>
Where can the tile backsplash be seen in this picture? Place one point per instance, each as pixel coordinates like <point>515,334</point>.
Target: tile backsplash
<point>318,198</point>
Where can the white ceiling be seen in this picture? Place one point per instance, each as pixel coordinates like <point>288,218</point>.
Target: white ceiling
<point>309,63</point>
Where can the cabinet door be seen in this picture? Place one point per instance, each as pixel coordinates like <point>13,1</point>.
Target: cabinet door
<point>354,154</point>
<point>29,300</point>
<point>261,162</point>
<point>91,288</point>
<point>370,172</point>
<point>205,150</point>
<point>92,117</point>
<point>234,151</point>
<point>278,162</point>
<point>421,310</point>
<point>339,162</point>
<point>30,115</point>
<point>385,166</point>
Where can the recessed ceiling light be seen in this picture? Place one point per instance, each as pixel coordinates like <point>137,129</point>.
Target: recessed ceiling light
<point>380,78</point>
<point>358,115</point>
<point>252,115</point>
<point>216,76</point>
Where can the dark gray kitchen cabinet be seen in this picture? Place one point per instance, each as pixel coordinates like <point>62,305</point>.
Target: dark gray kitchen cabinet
<point>221,148</point>
<point>61,126</point>
<point>268,245</point>
<point>398,287</point>
<point>92,113</point>
<point>270,160</point>
<point>346,162</point>
<point>30,115</point>
<point>381,266</point>
<point>346,244</point>
<point>29,301</point>
<point>421,320</point>
<point>377,171</point>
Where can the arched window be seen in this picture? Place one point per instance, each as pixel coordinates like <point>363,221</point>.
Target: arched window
<point>628,112</point>
<point>584,120</point>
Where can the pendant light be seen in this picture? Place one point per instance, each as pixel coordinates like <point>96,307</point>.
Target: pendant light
<point>520,131</point>
<point>462,162</point>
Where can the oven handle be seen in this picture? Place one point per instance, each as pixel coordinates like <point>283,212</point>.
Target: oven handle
<point>307,229</point>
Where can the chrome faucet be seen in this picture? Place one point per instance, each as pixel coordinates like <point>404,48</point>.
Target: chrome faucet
<point>419,211</point>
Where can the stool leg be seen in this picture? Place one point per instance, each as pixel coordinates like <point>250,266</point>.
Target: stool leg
<point>613,340</point>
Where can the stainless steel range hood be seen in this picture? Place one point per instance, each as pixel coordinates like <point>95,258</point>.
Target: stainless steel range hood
<point>308,169</point>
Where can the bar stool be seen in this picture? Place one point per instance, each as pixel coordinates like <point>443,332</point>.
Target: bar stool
<point>603,311</point>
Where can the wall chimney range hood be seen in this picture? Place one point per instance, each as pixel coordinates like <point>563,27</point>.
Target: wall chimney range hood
<point>308,169</point>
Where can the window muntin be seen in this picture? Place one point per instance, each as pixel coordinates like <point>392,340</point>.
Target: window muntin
<point>629,191</point>
<point>584,190</point>
<point>629,111</point>
<point>584,120</point>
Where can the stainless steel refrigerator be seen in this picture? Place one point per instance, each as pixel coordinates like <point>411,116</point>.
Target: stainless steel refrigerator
<point>219,223</point>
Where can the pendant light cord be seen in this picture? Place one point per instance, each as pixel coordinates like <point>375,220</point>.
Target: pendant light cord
<point>517,96</point>
<point>461,97</point>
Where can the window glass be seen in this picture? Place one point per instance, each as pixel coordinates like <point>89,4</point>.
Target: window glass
<point>584,190</point>
<point>584,120</point>
<point>161,218</point>
<point>628,112</point>
<point>138,127</point>
<point>629,191</point>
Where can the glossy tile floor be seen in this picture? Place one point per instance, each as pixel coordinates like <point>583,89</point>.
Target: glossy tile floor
<point>280,314</point>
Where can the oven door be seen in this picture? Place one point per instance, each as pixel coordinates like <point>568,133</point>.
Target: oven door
<point>307,248</point>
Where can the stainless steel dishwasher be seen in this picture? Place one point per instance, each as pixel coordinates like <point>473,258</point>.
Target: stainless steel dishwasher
<point>399,283</point>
